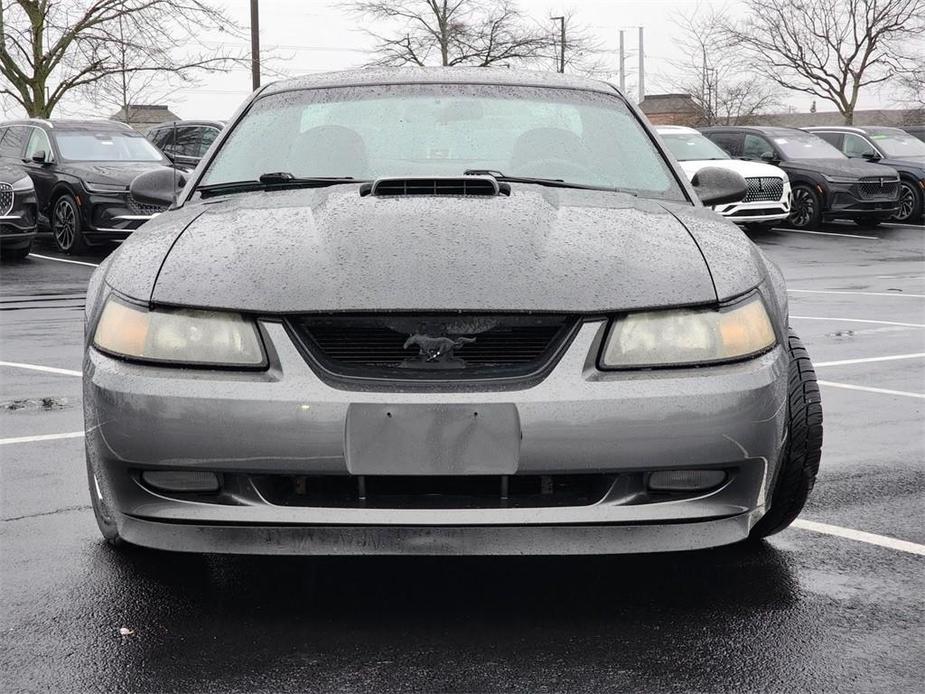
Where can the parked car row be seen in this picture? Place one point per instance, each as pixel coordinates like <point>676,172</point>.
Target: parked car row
<point>866,175</point>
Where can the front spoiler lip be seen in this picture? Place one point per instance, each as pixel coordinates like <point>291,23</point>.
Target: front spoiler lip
<point>440,541</point>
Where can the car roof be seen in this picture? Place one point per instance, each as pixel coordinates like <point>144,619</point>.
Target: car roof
<point>73,124</point>
<point>766,129</point>
<point>678,129</point>
<point>170,123</point>
<point>867,130</point>
<point>438,75</point>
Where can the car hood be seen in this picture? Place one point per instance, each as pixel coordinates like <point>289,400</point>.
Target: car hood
<point>747,169</point>
<point>112,173</point>
<point>540,249</point>
<point>904,163</point>
<point>849,168</point>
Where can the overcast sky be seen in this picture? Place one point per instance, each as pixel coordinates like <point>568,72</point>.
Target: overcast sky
<point>317,35</point>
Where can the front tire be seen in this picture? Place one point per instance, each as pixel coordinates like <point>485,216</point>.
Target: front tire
<point>799,462</point>
<point>103,514</point>
<point>911,200</point>
<point>806,211</point>
<point>65,225</point>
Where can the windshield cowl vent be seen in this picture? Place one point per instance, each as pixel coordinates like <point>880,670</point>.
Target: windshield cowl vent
<point>465,186</point>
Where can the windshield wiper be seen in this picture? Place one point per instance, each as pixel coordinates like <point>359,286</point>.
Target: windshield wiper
<point>274,180</point>
<point>550,182</point>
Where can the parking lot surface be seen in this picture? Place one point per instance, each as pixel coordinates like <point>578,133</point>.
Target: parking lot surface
<point>833,604</point>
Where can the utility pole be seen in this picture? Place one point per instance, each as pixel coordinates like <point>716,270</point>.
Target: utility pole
<point>255,45</point>
<point>622,65</point>
<point>561,21</point>
<point>642,69</point>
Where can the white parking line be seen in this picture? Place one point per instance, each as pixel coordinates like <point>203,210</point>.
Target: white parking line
<point>833,291</point>
<point>861,536</point>
<point>860,320</point>
<point>911,226</point>
<point>827,233</point>
<point>62,260</point>
<point>869,389</point>
<point>41,437</point>
<point>867,360</point>
<point>37,367</point>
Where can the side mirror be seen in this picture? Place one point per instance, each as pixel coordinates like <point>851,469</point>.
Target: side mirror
<point>769,157</point>
<point>871,156</point>
<point>157,188</point>
<point>40,157</point>
<point>716,186</point>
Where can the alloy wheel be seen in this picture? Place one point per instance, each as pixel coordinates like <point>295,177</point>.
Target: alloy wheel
<point>804,207</point>
<point>65,224</point>
<point>906,203</point>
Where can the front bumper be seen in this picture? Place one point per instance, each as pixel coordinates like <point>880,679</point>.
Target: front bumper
<point>18,225</point>
<point>111,216</point>
<point>758,211</point>
<point>287,421</point>
<point>845,201</point>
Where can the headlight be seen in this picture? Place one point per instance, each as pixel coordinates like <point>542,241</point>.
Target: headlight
<point>182,336</point>
<point>22,185</point>
<point>688,336</point>
<point>104,187</point>
<point>840,179</point>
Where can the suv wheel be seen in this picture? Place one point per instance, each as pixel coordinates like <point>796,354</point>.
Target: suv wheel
<point>799,461</point>
<point>910,203</point>
<point>65,225</point>
<point>806,212</point>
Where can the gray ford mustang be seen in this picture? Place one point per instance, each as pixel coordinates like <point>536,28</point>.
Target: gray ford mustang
<point>443,312</point>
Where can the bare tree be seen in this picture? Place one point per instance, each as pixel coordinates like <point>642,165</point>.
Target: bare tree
<point>50,48</point>
<point>831,49</point>
<point>454,32</point>
<point>714,74</point>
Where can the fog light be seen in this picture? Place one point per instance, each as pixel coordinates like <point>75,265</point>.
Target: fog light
<point>181,480</point>
<point>685,480</point>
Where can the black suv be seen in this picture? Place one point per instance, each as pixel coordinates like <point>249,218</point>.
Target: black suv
<point>81,171</point>
<point>891,146</point>
<point>826,184</point>
<point>17,212</point>
<point>185,142</point>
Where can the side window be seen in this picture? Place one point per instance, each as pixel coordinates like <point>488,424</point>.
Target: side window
<point>755,146</point>
<point>856,146</point>
<point>834,139</point>
<point>731,143</point>
<point>14,139</point>
<point>187,144</point>
<point>38,142</point>
<point>208,137</point>
<point>163,140</point>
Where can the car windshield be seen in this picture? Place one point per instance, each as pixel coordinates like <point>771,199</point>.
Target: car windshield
<point>581,137</point>
<point>86,145</point>
<point>896,143</point>
<point>692,147</point>
<point>805,146</point>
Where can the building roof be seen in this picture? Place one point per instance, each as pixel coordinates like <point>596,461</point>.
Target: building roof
<point>893,117</point>
<point>439,75</point>
<point>654,104</point>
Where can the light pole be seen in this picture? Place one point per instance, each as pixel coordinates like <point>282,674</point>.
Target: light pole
<point>255,45</point>
<point>561,21</point>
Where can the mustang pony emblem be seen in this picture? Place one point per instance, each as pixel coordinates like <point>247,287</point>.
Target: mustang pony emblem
<point>436,352</point>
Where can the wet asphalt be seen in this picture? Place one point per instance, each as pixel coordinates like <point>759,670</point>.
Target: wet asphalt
<point>801,612</point>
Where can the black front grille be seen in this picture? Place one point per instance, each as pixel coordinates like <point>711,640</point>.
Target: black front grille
<point>434,492</point>
<point>764,188</point>
<point>6,198</point>
<point>878,188</point>
<point>433,347</point>
<point>147,210</point>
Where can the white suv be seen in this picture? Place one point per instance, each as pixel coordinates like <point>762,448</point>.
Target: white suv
<point>768,200</point>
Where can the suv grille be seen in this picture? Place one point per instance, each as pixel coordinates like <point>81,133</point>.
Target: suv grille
<point>137,208</point>
<point>6,198</point>
<point>883,188</point>
<point>764,188</point>
<point>433,347</point>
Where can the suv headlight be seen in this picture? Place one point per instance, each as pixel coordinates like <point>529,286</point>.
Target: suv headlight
<point>688,336</point>
<point>22,185</point>
<point>178,336</point>
<point>847,180</point>
<point>104,187</point>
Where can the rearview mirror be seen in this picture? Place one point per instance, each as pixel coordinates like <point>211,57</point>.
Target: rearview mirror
<point>716,186</point>
<point>159,187</point>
